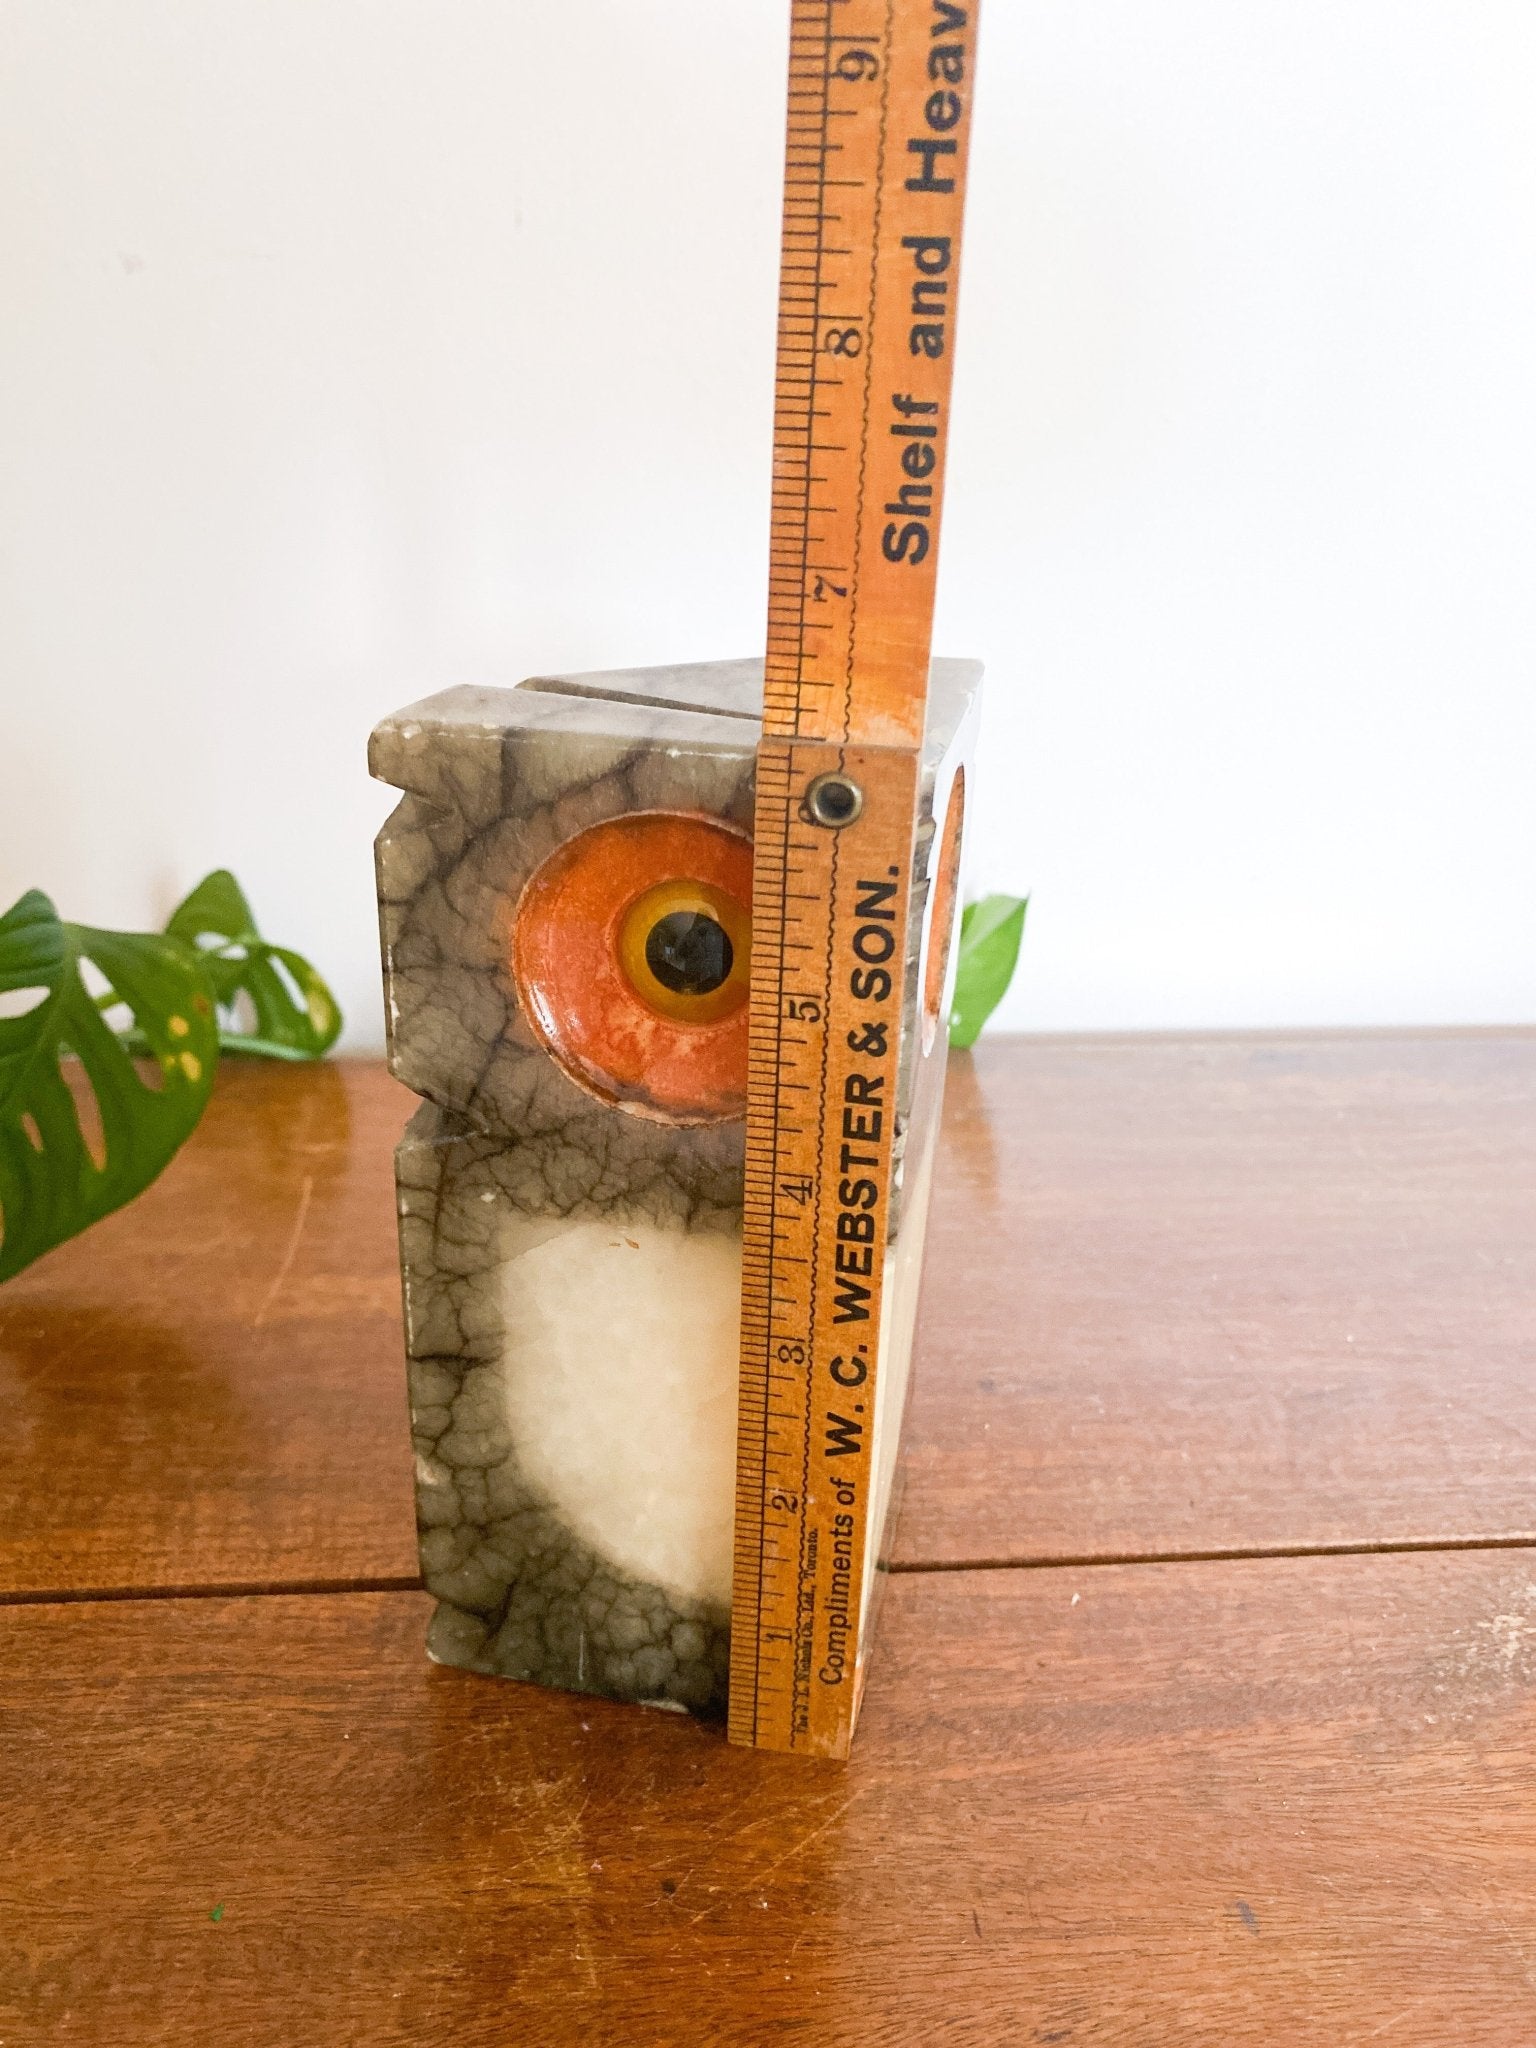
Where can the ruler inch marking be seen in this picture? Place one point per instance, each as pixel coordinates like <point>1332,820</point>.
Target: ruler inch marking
<point>871,220</point>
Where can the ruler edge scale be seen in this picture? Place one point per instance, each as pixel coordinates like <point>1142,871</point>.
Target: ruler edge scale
<point>879,721</point>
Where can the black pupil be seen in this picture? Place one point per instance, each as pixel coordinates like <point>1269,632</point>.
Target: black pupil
<point>688,953</point>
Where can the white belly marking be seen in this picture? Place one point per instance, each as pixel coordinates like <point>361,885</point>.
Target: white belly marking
<point>620,1361</point>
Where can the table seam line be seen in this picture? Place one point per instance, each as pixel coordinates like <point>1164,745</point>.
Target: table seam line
<point>266,1589</point>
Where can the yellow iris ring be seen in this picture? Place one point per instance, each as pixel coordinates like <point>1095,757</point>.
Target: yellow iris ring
<point>702,899</point>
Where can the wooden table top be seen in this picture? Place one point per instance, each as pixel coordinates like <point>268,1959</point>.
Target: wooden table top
<point>1201,1714</point>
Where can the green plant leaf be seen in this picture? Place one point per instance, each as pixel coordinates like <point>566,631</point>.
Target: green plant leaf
<point>296,1016</point>
<point>990,935</point>
<point>79,1140</point>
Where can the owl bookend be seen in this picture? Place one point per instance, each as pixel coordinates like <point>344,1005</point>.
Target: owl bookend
<point>565,912</point>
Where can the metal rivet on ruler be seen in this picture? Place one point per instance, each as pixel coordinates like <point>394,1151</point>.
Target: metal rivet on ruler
<point>833,800</point>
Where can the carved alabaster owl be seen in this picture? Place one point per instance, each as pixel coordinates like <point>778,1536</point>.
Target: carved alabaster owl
<point>565,914</point>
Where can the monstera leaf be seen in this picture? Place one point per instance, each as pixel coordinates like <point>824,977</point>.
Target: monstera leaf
<point>295,1015</point>
<point>81,1135</point>
<point>990,934</point>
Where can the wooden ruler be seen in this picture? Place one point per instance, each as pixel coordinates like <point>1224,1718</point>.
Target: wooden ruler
<point>879,117</point>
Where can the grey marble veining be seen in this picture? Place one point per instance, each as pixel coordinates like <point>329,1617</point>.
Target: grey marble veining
<point>494,782</point>
<point>519,1591</point>
<point>573,1486</point>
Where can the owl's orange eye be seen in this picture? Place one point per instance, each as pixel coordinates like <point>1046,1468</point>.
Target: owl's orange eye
<point>941,914</point>
<point>631,949</point>
<point>686,948</point>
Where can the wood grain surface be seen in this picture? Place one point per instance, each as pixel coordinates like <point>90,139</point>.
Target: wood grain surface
<point>208,1388</point>
<point>1184,1295</point>
<point>1229,1294</point>
<point>1199,1805</point>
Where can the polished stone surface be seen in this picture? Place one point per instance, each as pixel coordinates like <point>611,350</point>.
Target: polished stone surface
<point>571,1264</point>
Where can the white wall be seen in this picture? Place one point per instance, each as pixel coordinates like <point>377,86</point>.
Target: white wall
<point>350,348</point>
